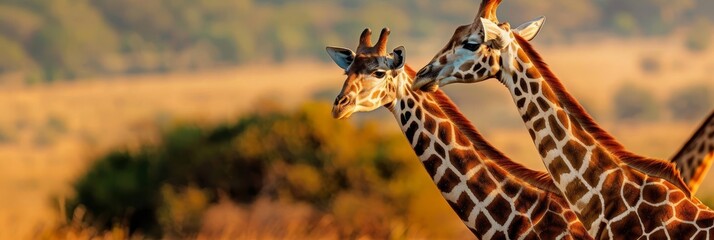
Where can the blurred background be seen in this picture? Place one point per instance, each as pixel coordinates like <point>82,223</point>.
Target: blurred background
<point>178,118</point>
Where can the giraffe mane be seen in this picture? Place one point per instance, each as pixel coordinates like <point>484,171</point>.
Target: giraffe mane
<point>700,130</point>
<point>410,71</point>
<point>650,166</point>
<point>538,179</point>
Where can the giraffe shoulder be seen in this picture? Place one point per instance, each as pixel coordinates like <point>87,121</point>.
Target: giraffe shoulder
<point>538,179</point>
<point>658,168</point>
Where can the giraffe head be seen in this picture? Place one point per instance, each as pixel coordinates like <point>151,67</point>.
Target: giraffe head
<point>475,51</point>
<point>371,73</point>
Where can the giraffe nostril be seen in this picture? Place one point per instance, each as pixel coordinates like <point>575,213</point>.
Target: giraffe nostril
<point>341,101</point>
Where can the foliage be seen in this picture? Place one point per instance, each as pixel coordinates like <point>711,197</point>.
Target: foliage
<point>651,17</point>
<point>699,37</point>
<point>632,102</point>
<point>651,64</point>
<point>691,102</point>
<point>5,136</point>
<point>180,211</point>
<point>14,57</point>
<point>303,156</point>
<point>121,187</point>
<point>624,24</point>
<point>68,39</point>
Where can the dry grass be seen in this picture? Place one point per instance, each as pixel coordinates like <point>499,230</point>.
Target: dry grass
<point>275,220</point>
<point>49,133</point>
<point>52,131</point>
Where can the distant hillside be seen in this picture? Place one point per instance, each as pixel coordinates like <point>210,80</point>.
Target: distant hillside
<point>66,39</point>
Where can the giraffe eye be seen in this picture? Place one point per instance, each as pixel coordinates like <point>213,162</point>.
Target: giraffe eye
<point>379,74</point>
<point>471,46</point>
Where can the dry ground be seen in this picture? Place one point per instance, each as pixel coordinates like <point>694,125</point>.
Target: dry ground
<point>49,134</point>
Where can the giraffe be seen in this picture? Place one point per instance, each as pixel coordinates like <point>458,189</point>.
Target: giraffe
<point>614,194</point>
<point>695,158</point>
<point>494,197</point>
<point>691,174</point>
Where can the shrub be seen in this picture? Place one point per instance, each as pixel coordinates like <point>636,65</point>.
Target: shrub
<point>691,103</point>
<point>634,103</point>
<point>181,211</point>
<point>14,57</point>
<point>650,64</point>
<point>624,24</point>
<point>699,37</point>
<point>5,136</point>
<point>121,188</point>
<point>303,156</point>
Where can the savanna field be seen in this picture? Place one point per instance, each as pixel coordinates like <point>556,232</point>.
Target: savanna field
<point>180,119</point>
<point>352,178</point>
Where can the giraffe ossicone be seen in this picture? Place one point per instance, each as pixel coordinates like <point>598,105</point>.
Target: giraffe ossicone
<point>481,185</point>
<point>615,193</point>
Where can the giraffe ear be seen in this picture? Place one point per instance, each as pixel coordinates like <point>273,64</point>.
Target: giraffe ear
<point>342,56</point>
<point>399,55</point>
<point>530,29</point>
<point>493,35</point>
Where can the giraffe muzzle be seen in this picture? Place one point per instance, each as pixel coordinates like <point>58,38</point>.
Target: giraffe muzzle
<point>426,80</point>
<point>343,107</point>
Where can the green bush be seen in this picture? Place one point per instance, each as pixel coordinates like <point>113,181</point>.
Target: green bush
<point>692,102</point>
<point>121,188</point>
<point>633,103</point>
<point>303,156</point>
<point>14,56</point>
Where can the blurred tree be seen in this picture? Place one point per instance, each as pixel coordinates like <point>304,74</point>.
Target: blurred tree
<point>18,23</point>
<point>699,37</point>
<point>14,56</point>
<point>67,39</point>
<point>653,17</point>
<point>624,24</point>
<point>632,102</point>
<point>76,43</point>
<point>650,63</point>
<point>564,16</point>
<point>692,102</point>
<point>703,9</point>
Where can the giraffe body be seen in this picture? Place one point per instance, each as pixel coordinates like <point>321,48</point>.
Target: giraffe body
<point>610,193</point>
<point>492,202</point>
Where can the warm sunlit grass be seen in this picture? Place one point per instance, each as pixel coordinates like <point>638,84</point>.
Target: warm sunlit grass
<point>49,133</point>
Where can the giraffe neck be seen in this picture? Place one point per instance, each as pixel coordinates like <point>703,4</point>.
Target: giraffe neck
<point>598,186</point>
<point>695,158</point>
<point>490,202</point>
<point>570,155</point>
<point>576,112</point>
